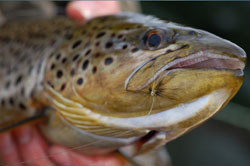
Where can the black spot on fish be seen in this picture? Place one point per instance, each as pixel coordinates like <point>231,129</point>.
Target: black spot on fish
<point>58,56</point>
<point>19,79</point>
<point>22,106</point>
<point>3,103</point>
<point>119,36</point>
<point>109,44</point>
<point>11,101</point>
<point>76,44</point>
<point>135,50</point>
<point>88,52</point>
<point>94,69</point>
<point>76,57</point>
<point>99,35</point>
<point>63,87</point>
<point>85,64</point>
<point>79,81</point>
<point>125,46</point>
<point>108,61</point>
<point>64,60</point>
<point>150,89</point>
<point>52,66</point>
<point>59,74</point>
<point>72,73</point>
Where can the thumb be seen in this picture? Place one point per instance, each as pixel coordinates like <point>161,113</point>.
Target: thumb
<point>82,11</point>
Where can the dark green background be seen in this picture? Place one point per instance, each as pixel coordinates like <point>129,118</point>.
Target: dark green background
<point>225,139</point>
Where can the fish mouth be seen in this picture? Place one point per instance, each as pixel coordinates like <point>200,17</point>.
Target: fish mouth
<point>200,60</point>
<point>205,59</point>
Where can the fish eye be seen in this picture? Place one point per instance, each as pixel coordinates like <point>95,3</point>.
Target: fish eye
<point>154,39</point>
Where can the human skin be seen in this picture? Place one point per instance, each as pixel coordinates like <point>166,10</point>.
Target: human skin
<point>27,144</point>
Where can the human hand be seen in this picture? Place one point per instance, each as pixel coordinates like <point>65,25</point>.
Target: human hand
<point>26,146</point>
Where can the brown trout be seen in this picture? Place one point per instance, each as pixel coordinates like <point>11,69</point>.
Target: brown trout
<point>127,79</point>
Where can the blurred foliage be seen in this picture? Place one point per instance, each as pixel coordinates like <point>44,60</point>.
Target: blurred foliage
<point>224,141</point>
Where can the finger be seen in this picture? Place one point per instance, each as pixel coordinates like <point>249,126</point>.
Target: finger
<point>99,160</point>
<point>60,155</point>
<point>32,147</point>
<point>75,159</point>
<point>82,11</point>
<point>8,150</point>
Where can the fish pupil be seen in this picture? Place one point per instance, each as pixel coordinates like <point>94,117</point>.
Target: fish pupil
<point>154,40</point>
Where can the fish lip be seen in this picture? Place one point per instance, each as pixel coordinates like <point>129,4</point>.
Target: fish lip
<point>198,54</point>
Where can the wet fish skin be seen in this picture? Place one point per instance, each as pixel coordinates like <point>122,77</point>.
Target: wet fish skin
<point>107,81</point>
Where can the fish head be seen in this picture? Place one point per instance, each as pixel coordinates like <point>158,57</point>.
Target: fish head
<point>139,73</point>
<point>158,65</point>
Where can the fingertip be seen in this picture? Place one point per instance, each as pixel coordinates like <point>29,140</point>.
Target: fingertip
<point>85,10</point>
<point>75,12</point>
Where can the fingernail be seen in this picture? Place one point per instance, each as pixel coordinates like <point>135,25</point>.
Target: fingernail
<point>24,134</point>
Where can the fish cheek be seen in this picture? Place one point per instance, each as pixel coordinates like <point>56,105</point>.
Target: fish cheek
<point>180,87</point>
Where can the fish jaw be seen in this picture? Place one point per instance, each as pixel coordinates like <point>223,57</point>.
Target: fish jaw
<point>170,124</point>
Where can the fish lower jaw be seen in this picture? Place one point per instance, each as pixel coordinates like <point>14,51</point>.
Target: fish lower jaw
<point>185,115</point>
<point>170,124</point>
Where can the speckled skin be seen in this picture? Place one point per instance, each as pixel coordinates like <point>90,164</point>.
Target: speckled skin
<point>24,50</point>
<point>88,76</point>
